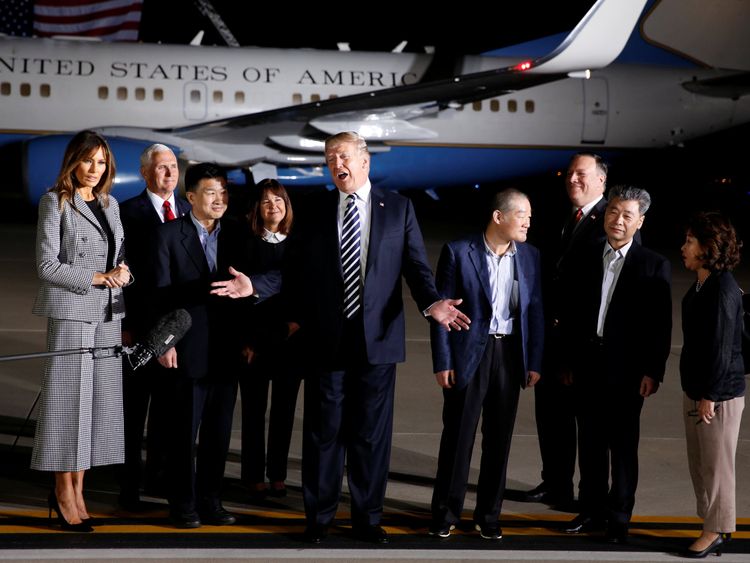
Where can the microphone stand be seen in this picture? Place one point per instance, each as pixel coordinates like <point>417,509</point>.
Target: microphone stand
<point>96,352</point>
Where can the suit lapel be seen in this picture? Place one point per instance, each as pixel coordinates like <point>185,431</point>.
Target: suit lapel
<point>192,244</point>
<point>377,225</point>
<point>332,227</point>
<point>83,208</point>
<point>147,208</point>
<point>477,257</point>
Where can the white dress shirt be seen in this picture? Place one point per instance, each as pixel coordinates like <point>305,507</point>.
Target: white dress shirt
<point>363,202</point>
<point>158,204</point>
<point>612,263</point>
<point>273,238</point>
<point>503,288</point>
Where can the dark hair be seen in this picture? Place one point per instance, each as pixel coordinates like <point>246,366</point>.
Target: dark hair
<point>601,164</point>
<point>202,171</point>
<point>82,146</point>
<point>276,188</point>
<point>718,239</point>
<point>503,200</point>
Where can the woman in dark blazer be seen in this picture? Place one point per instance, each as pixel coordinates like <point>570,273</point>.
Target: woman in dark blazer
<point>712,373</point>
<point>78,247</point>
<point>270,355</point>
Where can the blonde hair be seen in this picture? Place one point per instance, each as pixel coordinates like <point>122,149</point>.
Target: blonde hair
<point>347,137</point>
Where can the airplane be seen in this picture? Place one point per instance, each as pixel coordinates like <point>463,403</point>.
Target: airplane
<point>508,113</point>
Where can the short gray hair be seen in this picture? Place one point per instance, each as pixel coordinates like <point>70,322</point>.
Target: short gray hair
<point>503,200</point>
<point>631,193</point>
<point>148,154</point>
<point>347,137</point>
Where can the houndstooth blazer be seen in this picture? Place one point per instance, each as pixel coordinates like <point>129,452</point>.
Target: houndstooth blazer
<point>70,247</point>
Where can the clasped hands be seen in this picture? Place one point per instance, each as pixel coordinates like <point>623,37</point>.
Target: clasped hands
<point>119,276</point>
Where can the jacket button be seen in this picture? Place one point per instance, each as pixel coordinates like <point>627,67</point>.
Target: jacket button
<point>81,254</point>
<point>85,239</point>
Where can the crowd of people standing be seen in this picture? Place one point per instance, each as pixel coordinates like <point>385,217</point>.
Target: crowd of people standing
<point>277,297</point>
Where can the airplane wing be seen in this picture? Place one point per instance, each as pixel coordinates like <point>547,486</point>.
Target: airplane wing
<point>384,115</point>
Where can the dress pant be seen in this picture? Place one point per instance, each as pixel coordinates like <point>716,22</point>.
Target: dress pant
<point>711,450</point>
<point>254,385</point>
<point>144,397</point>
<point>200,408</point>
<point>609,416</point>
<point>492,393</point>
<point>348,416</point>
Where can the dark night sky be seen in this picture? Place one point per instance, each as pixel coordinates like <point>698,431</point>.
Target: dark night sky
<point>471,27</point>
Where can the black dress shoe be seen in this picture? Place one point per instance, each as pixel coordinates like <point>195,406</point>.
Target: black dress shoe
<point>583,523</point>
<point>616,533</point>
<point>217,517</point>
<point>489,531</point>
<point>441,529</point>
<point>316,533</point>
<point>537,493</point>
<point>371,534</point>
<point>186,520</point>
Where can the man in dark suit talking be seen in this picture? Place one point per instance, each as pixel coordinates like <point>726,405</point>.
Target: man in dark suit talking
<point>353,246</point>
<point>481,371</point>
<point>617,323</point>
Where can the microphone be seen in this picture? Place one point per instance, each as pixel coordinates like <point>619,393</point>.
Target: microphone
<point>167,331</point>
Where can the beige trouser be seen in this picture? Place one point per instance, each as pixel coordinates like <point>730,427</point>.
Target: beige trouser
<point>711,450</point>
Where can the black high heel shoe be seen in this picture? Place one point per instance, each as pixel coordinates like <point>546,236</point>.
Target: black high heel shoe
<point>64,524</point>
<point>714,547</point>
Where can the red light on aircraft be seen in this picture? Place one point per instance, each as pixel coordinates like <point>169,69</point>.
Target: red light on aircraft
<point>525,65</point>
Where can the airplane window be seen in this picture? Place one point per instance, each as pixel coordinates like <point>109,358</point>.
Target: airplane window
<point>315,98</point>
<point>296,99</point>
<point>512,106</point>
<point>140,93</point>
<point>103,92</point>
<point>195,95</point>
<point>25,89</point>
<point>158,94</point>
<point>5,88</point>
<point>494,105</point>
<point>122,93</point>
<point>44,90</point>
<point>239,97</point>
<point>529,106</point>
<point>218,96</point>
<point>477,106</point>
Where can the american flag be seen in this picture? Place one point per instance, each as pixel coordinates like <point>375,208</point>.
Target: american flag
<point>111,20</point>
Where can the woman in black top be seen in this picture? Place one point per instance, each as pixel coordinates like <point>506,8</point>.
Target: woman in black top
<point>712,373</point>
<point>270,355</point>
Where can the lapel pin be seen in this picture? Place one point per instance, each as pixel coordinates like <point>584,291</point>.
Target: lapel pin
<point>381,204</point>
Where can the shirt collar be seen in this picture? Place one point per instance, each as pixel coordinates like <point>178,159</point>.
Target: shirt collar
<point>589,206</point>
<point>202,229</point>
<point>622,251</point>
<point>362,193</point>
<point>159,202</point>
<point>510,252</point>
<point>273,238</point>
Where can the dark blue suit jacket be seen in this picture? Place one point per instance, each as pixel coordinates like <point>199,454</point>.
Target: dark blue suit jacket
<point>184,281</point>
<point>396,249</point>
<point>462,273</point>
<point>140,221</point>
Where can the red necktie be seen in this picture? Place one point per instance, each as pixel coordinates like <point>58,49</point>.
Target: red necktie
<point>168,213</point>
<point>579,214</point>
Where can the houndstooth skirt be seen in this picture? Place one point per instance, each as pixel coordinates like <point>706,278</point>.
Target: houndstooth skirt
<point>80,422</point>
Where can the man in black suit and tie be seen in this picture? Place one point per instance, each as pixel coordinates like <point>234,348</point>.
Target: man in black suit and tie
<point>617,322</point>
<point>141,216</point>
<point>556,421</point>
<point>351,250</point>
<point>191,252</point>
<point>498,277</point>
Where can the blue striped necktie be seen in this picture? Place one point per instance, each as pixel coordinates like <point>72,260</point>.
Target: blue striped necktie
<point>350,267</point>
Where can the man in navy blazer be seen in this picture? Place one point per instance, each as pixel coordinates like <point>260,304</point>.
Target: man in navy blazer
<point>497,276</point>
<point>353,315</point>
<point>616,324</point>
<point>142,390</point>
<point>191,252</point>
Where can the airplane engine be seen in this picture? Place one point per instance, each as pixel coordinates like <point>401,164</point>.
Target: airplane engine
<point>38,175</point>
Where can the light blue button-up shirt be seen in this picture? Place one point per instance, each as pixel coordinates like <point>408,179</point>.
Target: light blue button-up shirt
<point>503,289</point>
<point>209,241</point>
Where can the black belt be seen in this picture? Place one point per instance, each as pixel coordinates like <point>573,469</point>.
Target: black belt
<point>499,336</point>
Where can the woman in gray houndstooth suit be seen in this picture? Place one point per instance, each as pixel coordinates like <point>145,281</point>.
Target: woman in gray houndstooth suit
<point>78,253</point>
